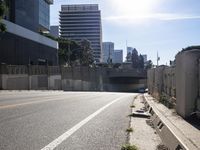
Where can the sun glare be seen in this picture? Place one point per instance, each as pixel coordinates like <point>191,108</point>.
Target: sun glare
<point>134,8</point>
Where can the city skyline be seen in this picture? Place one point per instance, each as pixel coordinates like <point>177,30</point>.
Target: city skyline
<point>149,26</point>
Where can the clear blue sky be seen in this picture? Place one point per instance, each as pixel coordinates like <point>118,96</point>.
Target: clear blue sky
<point>165,26</point>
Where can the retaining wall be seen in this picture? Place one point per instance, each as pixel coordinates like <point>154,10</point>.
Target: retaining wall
<point>63,78</point>
<point>178,85</point>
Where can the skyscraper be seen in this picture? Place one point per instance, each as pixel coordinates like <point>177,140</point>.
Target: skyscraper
<point>78,22</point>
<point>54,31</point>
<point>118,56</point>
<point>21,43</point>
<point>129,50</point>
<point>107,52</point>
<point>30,14</point>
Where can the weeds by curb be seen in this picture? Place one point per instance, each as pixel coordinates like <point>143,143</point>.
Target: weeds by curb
<point>129,147</point>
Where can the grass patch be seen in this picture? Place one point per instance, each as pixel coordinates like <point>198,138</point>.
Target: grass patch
<point>129,130</point>
<point>129,147</point>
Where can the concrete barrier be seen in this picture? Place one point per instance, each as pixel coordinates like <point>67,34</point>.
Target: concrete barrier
<point>175,132</point>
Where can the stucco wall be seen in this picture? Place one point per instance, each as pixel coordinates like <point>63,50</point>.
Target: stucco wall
<point>187,81</point>
<point>179,84</point>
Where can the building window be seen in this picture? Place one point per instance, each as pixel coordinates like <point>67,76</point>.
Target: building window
<point>44,11</point>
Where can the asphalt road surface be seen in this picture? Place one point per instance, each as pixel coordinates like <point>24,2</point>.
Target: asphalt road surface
<point>37,120</point>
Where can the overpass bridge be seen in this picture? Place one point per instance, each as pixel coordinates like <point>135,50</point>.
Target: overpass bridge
<point>126,80</point>
<point>127,73</point>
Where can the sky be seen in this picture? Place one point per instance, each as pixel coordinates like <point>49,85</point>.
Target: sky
<point>150,26</point>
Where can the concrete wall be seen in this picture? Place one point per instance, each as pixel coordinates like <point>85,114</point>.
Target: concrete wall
<point>161,80</point>
<point>39,82</point>
<point>169,81</point>
<point>54,82</point>
<point>187,82</point>
<point>12,82</point>
<point>65,78</point>
<point>29,78</point>
<point>179,84</point>
<point>82,79</point>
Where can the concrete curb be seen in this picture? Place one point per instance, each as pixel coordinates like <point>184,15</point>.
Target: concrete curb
<point>143,135</point>
<point>171,134</point>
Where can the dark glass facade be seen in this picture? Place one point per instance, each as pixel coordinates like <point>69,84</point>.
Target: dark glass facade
<point>15,50</point>
<point>44,13</point>
<point>26,14</point>
<point>27,48</point>
<point>31,14</point>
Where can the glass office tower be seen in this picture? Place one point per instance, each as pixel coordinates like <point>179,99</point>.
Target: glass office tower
<point>30,14</point>
<point>78,22</point>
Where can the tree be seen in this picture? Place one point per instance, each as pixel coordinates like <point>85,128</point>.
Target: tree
<point>68,52</point>
<point>72,53</point>
<point>135,59</point>
<point>3,10</point>
<point>149,65</point>
<point>129,57</point>
<point>86,57</point>
<point>117,65</point>
<point>141,62</point>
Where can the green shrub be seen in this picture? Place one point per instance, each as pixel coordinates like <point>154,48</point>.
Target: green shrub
<point>129,147</point>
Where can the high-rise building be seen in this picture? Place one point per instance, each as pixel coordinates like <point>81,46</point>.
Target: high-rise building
<point>54,31</point>
<point>145,58</point>
<point>129,49</point>
<point>107,52</point>
<point>33,15</point>
<point>21,43</point>
<point>118,56</point>
<point>78,22</point>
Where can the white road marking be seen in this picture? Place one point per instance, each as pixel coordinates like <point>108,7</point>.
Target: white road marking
<point>68,133</point>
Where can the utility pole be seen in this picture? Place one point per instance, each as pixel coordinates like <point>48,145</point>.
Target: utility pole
<point>158,58</point>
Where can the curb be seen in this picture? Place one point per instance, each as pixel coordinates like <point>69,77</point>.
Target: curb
<point>171,136</point>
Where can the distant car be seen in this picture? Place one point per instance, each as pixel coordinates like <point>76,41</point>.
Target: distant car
<point>141,90</point>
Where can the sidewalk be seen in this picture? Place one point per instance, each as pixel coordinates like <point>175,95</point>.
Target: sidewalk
<point>143,135</point>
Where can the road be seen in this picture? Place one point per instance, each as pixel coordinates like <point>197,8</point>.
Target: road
<point>37,120</point>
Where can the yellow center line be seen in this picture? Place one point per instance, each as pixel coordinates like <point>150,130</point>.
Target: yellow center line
<point>35,101</point>
<point>28,103</point>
